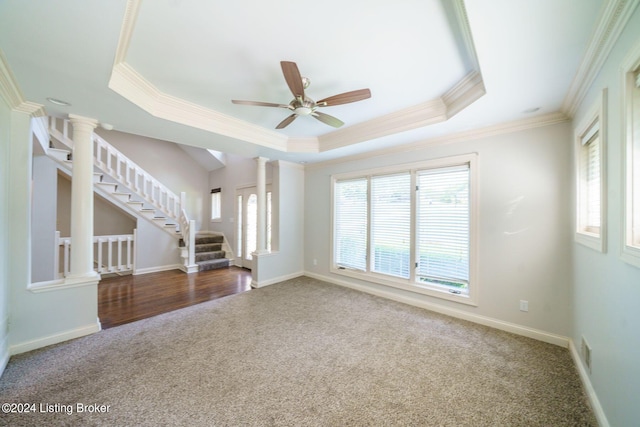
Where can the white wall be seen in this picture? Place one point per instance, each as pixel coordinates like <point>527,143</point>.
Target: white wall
<point>155,249</point>
<point>108,219</point>
<point>43,219</point>
<point>5,251</point>
<point>286,259</point>
<point>170,165</point>
<point>524,241</point>
<point>606,290</point>
<point>37,318</point>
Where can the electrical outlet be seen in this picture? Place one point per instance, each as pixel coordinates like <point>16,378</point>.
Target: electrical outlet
<point>315,261</point>
<point>524,305</point>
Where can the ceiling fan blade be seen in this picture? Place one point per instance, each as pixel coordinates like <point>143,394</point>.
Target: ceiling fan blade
<point>258,103</point>
<point>345,98</point>
<point>286,122</point>
<point>327,119</point>
<point>293,78</point>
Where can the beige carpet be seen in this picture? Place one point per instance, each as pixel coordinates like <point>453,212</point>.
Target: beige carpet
<point>298,353</point>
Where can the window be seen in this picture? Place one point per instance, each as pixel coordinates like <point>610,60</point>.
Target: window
<point>216,205</point>
<point>411,227</point>
<point>443,227</point>
<point>391,224</point>
<point>590,165</point>
<point>631,240</point>
<point>350,218</point>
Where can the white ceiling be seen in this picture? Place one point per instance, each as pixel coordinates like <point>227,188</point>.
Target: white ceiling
<point>168,69</point>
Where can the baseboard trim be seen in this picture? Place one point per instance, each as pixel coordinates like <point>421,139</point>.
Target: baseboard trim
<point>475,318</point>
<point>588,387</point>
<point>264,283</point>
<point>158,269</point>
<point>54,339</point>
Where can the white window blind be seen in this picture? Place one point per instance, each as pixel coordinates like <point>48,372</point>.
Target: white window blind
<point>443,225</point>
<point>216,204</point>
<point>391,224</point>
<point>591,175</point>
<point>350,218</point>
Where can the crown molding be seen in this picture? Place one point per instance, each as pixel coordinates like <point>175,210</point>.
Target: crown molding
<point>303,145</point>
<point>499,129</point>
<point>128,83</point>
<point>420,115</point>
<point>126,31</point>
<point>31,108</point>
<point>612,20</point>
<point>465,37</point>
<point>9,89</point>
<point>466,92</point>
<point>11,93</point>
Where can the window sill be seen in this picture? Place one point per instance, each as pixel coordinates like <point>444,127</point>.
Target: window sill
<point>593,241</point>
<point>631,255</point>
<point>406,285</point>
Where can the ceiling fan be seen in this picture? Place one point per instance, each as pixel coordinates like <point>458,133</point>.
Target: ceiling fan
<point>302,105</point>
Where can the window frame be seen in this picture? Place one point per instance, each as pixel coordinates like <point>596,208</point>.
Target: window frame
<point>216,194</point>
<point>596,117</point>
<point>630,251</point>
<point>411,284</point>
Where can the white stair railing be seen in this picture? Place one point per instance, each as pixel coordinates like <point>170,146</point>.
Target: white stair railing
<point>123,170</point>
<point>114,254</point>
<point>128,174</point>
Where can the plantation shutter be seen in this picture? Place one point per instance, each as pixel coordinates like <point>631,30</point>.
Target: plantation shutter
<point>391,224</point>
<point>350,222</point>
<point>591,174</point>
<point>443,226</point>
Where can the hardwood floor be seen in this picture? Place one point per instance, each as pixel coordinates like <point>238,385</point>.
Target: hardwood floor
<point>129,298</point>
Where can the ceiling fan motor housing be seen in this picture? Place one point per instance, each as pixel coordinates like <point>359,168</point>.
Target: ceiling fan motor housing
<point>304,108</point>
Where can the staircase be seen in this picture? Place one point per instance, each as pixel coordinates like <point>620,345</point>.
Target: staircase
<point>129,187</point>
<point>209,253</point>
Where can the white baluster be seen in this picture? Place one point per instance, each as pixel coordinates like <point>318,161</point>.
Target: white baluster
<point>110,255</point>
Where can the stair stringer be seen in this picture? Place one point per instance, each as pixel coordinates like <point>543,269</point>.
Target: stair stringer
<point>107,188</point>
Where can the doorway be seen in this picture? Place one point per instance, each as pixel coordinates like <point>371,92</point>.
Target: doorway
<point>247,224</point>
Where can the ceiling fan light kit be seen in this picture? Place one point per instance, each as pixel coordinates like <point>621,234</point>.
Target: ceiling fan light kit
<point>301,105</point>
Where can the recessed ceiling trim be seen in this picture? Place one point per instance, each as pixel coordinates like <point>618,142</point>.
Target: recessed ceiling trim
<point>127,82</point>
<point>303,145</point>
<point>420,115</point>
<point>466,92</point>
<point>132,86</point>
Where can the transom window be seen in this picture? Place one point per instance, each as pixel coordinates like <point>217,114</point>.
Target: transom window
<point>411,227</point>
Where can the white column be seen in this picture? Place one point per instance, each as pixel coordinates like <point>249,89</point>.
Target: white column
<point>261,190</point>
<point>82,199</point>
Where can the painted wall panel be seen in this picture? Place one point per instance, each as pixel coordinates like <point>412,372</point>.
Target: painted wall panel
<point>606,290</point>
<point>525,238</point>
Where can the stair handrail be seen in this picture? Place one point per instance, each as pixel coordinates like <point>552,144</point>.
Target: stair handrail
<point>124,171</point>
